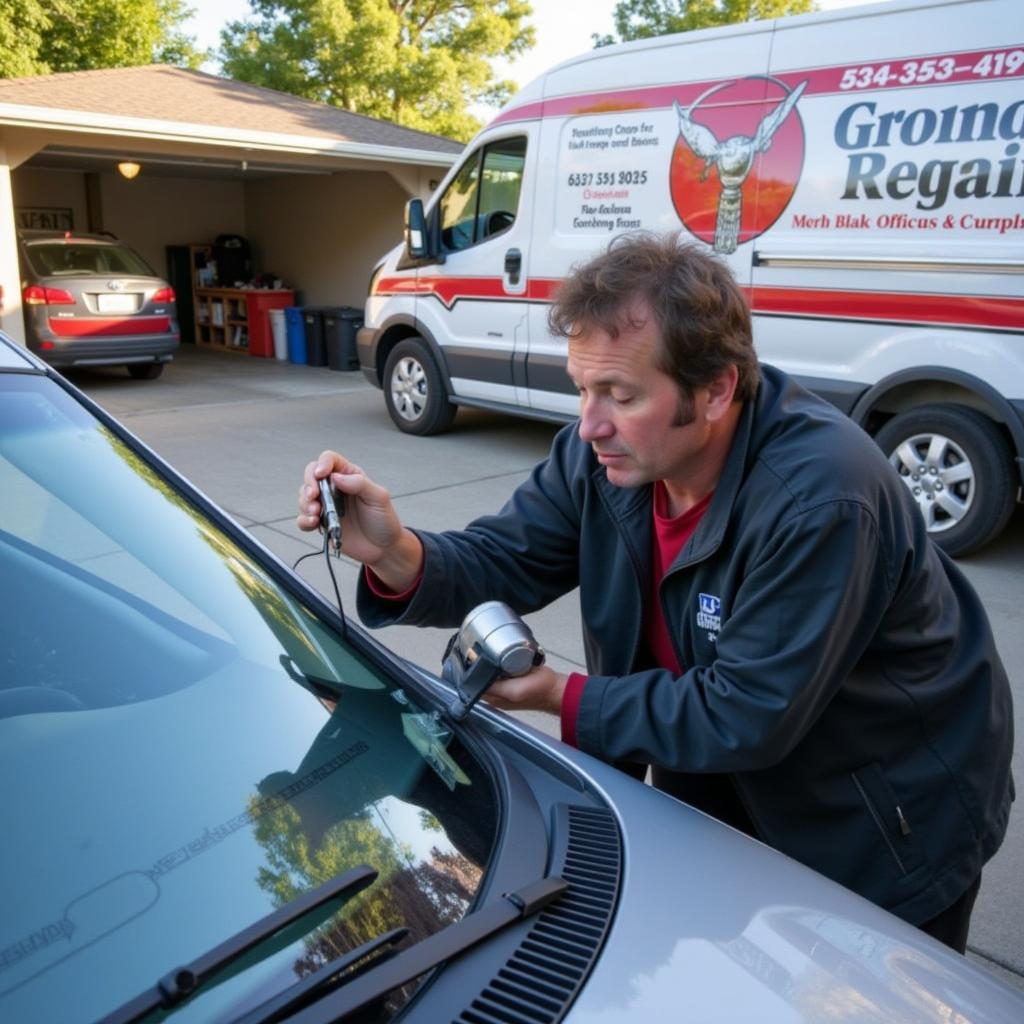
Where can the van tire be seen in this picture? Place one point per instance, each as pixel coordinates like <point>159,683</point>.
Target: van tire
<point>971,463</point>
<point>414,391</point>
<point>145,371</point>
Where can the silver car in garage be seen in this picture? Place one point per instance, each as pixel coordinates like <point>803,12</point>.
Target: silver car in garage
<point>91,300</point>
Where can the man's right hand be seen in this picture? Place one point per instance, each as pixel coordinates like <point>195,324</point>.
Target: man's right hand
<point>371,531</point>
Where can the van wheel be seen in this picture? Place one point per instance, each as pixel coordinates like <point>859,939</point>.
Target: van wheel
<point>958,469</point>
<point>145,371</point>
<point>413,390</point>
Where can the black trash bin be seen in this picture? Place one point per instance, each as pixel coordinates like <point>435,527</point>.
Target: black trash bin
<point>340,326</point>
<point>316,348</point>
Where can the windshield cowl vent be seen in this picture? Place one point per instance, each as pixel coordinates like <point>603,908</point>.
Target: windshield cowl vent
<point>540,980</point>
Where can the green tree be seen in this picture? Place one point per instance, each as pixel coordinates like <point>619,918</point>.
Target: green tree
<point>87,34</point>
<point>419,63</point>
<point>38,37</point>
<point>22,24</point>
<point>642,19</point>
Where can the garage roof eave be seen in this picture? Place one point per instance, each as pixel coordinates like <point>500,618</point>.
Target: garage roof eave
<point>53,119</point>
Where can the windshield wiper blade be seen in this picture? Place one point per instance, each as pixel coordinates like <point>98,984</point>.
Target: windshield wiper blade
<point>367,987</point>
<point>183,982</point>
<point>366,956</point>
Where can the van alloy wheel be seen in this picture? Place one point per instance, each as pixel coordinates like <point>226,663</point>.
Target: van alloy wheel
<point>957,466</point>
<point>414,390</point>
<point>940,477</point>
<point>409,389</point>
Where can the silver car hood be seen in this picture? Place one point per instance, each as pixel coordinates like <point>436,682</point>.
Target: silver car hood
<point>713,926</point>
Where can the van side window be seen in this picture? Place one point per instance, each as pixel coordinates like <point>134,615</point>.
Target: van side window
<point>483,197</point>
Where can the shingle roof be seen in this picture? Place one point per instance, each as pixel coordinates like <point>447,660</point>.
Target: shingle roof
<point>169,93</point>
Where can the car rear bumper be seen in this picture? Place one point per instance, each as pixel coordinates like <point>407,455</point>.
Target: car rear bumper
<point>129,348</point>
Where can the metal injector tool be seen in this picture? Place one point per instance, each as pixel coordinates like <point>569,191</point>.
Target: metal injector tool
<point>492,643</point>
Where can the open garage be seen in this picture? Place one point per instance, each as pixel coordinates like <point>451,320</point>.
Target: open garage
<point>171,161</point>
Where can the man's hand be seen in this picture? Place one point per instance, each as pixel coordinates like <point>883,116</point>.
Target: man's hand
<point>371,531</point>
<point>539,690</point>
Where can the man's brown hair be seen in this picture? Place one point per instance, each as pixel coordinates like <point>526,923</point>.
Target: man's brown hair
<point>699,309</point>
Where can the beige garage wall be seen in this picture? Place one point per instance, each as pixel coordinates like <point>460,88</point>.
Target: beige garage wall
<point>151,212</point>
<point>64,189</point>
<point>323,234</point>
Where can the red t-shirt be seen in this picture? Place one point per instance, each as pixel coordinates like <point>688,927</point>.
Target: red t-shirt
<point>670,536</point>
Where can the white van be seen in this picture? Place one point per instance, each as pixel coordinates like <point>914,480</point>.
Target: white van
<point>861,172</point>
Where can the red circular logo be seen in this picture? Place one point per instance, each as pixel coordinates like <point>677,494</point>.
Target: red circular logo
<point>737,160</point>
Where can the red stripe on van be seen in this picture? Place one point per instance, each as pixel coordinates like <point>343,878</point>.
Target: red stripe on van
<point>900,73</point>
<point>999,312</point>
<point>450,289</point>
<point>991,311</point>
<point>96,328</point>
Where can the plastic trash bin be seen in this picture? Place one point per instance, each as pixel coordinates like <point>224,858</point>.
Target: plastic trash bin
<point>280,331</point>
<point>316,349</point>
<point>340,326</point>
<point>259,302</point>
<point>296,329</point>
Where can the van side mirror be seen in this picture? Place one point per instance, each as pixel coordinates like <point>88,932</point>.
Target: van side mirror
<point>417,244</point>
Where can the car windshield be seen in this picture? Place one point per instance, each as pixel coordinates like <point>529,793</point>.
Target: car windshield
<point>64,259</point>
<point>187,747</point>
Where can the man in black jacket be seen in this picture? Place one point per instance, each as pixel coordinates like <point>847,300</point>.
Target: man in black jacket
<point>766,622</point>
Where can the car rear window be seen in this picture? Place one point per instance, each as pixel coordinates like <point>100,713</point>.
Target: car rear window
<point>60,258</point>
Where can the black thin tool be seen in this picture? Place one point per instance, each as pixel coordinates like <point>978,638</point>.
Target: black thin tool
<point>332,508</point>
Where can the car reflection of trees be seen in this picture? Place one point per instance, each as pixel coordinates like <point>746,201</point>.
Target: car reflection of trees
<point>323,830</point>
<point>421,897</point>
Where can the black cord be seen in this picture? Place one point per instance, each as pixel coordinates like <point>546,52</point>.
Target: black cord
<point>326,552</point>
<point>311,554</point>
<point>334,583</point>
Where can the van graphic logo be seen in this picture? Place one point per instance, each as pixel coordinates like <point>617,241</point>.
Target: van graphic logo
<point>731,128</point>
<point>709,616</point>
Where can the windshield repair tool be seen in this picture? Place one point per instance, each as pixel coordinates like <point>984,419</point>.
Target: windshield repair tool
<point>492,643</point>
<point>332,508</point>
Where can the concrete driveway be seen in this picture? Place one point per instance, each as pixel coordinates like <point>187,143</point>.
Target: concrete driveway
<point>242,429</point>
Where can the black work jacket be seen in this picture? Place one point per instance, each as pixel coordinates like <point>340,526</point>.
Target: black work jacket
<point>839,667</point>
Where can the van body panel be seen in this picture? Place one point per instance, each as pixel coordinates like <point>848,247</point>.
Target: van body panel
<point>861,172</point>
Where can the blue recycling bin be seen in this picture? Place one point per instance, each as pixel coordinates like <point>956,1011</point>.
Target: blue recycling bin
<point>295,328</point>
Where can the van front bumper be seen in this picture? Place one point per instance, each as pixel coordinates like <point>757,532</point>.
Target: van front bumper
<point>366,349</point>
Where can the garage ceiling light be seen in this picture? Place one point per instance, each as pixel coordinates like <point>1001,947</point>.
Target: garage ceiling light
<point>129,169</point>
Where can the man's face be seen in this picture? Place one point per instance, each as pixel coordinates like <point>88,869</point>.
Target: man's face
<point>632,413</point>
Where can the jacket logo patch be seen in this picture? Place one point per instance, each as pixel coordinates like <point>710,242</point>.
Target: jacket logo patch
<point>709,615</point>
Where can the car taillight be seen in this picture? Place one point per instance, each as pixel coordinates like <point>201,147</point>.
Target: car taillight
<point>37,295</point>
<point>164,295</point>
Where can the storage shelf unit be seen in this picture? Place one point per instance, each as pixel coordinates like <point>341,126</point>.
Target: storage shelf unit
<point>235,319</point>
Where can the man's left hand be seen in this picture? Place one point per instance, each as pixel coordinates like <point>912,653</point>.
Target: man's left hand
<point>539,690</point>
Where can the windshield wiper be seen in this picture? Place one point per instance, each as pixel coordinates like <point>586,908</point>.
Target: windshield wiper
<point>368,955</point>
<point>183,982</point>
<point>358,991</point>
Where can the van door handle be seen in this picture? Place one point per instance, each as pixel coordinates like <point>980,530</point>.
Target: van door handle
<point>513,265</point>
